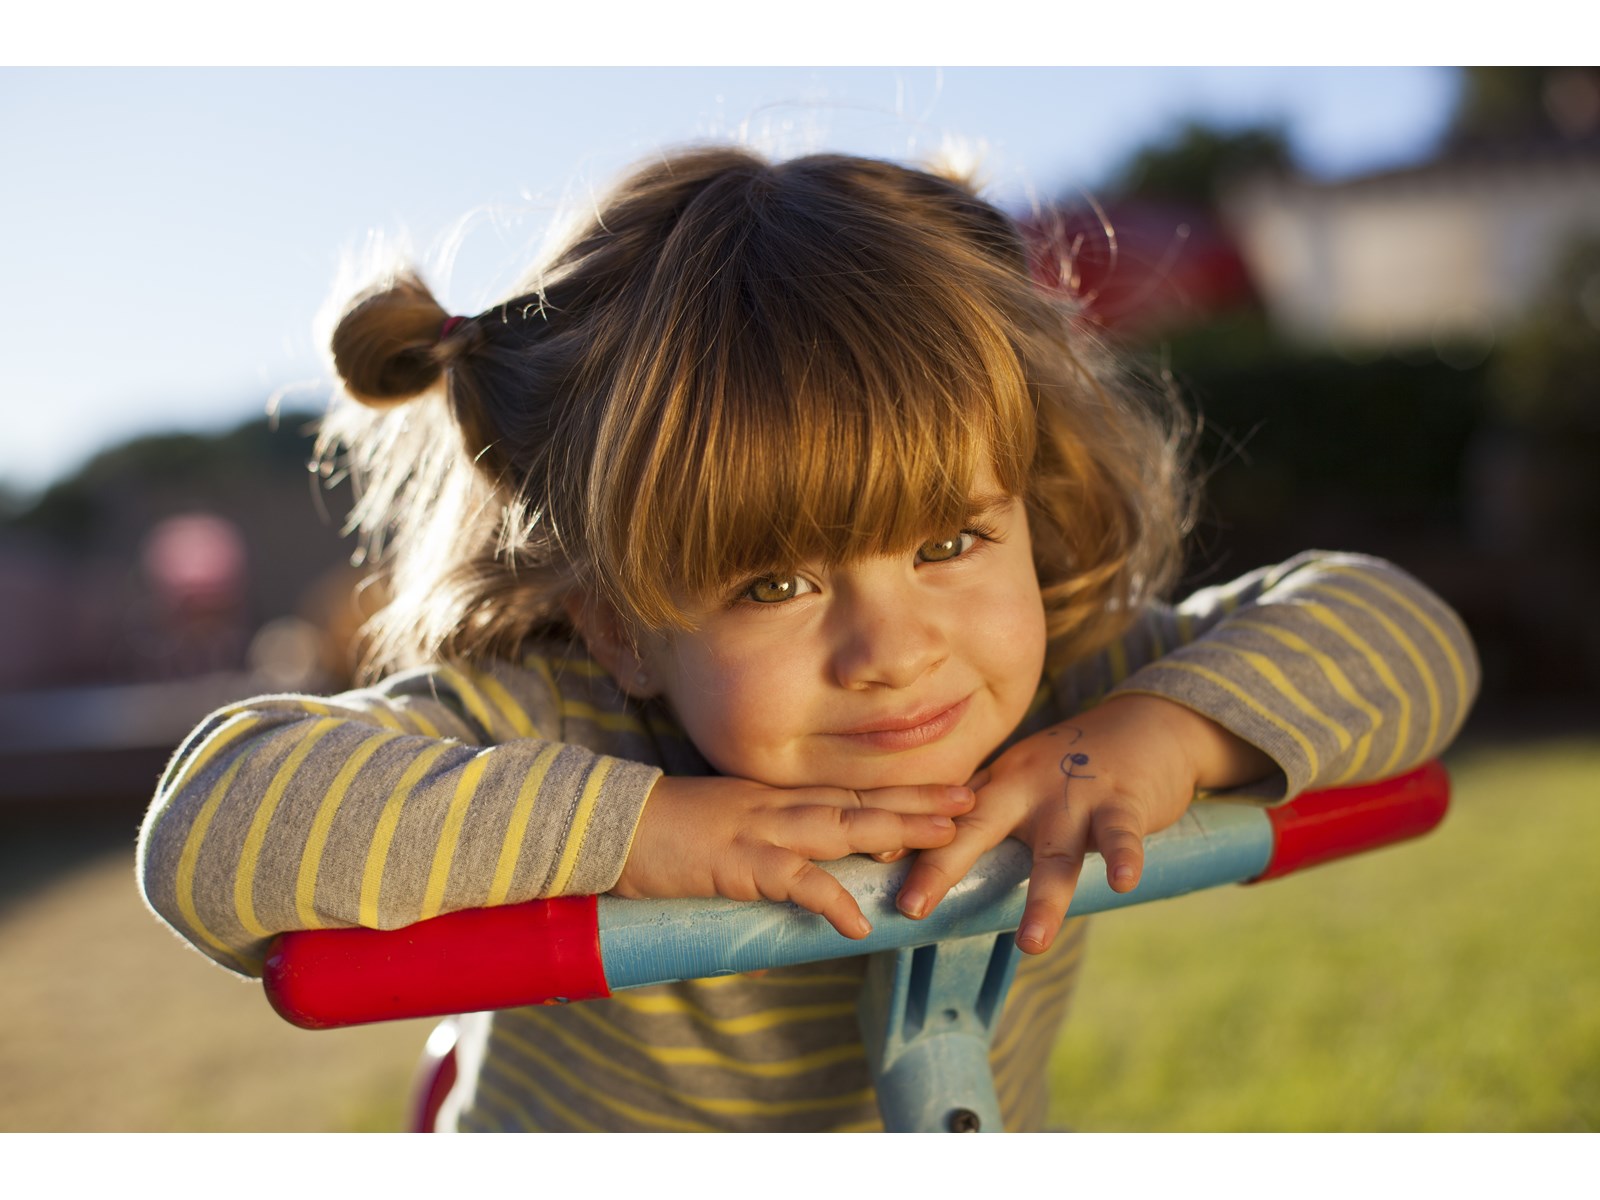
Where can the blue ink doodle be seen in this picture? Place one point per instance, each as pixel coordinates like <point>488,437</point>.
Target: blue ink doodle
<point>1072,760</point>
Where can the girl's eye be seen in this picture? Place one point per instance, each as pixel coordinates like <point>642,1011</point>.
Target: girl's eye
<point>776,591</point>
<point>945,549</point>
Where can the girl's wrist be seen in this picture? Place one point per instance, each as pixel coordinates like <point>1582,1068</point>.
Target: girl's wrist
<point>1217,758</point>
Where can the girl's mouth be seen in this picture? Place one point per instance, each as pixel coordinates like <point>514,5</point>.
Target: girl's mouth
<point>909,731</point>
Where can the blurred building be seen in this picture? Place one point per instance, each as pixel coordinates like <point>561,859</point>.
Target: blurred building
<point>1447,253</point>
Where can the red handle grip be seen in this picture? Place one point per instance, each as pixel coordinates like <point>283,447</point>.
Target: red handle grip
<point>541,952</point>
<point>1319,827</point>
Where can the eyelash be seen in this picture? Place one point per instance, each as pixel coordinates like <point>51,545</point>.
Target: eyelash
<point>980,533</point>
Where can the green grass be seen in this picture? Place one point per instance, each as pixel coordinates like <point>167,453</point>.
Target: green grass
<point>1447,984</point>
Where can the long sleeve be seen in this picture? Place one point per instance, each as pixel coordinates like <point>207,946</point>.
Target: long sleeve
<point>438,790</point>
<point>1339,666</point>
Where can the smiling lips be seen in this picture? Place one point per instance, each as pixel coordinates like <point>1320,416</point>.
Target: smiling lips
<point>908,732</point>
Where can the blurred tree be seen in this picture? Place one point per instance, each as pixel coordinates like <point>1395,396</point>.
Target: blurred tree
<point>84,538</point>
<point>1500,104</point>
<point>1189,166</point>
<point>79,510</point>
<point>1544,375</point>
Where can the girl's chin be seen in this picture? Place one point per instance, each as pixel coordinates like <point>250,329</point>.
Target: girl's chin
<point>912,771</point>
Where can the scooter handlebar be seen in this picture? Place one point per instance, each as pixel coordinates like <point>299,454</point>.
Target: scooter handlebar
<point>585,947</point>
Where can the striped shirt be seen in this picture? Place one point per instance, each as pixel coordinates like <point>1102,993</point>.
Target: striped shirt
<point>458,787</point>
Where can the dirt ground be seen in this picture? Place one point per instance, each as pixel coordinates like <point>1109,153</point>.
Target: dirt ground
<point>109,1023</point>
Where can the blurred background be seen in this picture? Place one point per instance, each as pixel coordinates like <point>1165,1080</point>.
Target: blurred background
<point>1379,288</point>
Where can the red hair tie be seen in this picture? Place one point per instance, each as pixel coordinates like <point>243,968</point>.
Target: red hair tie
<point>449,326</point>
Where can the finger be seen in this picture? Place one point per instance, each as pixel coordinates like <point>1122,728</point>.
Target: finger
<point>1119,837</point>
<point>890,856</point>
<point>938,870</point>
<point>1050,888</point>
<point>827,833</point>
<point>935,798</point>
<point>1059,843</point>
<point>782,875</point>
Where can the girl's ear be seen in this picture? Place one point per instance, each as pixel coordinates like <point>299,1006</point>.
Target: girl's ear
<point>609,644</point>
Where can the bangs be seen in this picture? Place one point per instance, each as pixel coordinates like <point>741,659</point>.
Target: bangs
<point>829,394</point>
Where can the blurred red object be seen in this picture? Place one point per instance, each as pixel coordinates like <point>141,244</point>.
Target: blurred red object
<point>1138,267</point>
<point>196,561</point>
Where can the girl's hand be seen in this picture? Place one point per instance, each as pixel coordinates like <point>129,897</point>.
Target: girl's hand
<point>1101,781</point>
<point>722,836</point>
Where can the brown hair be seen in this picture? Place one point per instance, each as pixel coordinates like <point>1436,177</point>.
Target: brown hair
<point>737,367</point>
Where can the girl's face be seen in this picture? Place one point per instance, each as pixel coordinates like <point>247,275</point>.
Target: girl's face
<point>881,671</point>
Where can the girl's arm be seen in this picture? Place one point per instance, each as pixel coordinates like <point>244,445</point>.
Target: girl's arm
<point>461,788</point>
<point>1328,669</point>
<point>1339,667</point>
<point>433,792</point>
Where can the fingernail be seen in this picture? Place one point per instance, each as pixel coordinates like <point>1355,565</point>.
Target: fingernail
<point>961,795</point>
<point>1123,875</point>
<point>914,905</point>
<point>863,926</point>
<point>944,822</point>
<point>1032,933</point>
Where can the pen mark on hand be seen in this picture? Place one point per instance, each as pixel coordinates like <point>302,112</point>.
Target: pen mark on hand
<point>1070,762</point>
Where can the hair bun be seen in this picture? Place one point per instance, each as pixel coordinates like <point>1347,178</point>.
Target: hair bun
<point>386,347</point>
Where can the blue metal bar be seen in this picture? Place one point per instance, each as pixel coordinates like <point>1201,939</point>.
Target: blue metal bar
<point>927,1017</point>
<point>644,942</point>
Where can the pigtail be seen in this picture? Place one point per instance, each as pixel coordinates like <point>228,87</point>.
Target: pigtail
<point>394,342</point>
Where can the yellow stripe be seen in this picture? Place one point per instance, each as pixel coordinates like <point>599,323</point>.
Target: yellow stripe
<point>255,838</point>
<point>502,699</point>
<point>768,980</point>
<point>424,726</point>
<point>704,1056</point>
<point>1273,674</point>
<point>544,1096</point>
<point>1457,668</point>
<point>869,1126</point>
<point>1117,658</point>
<point>1032,992</point>
<point>388,819</point>
<point>1337,679</point>
<point>226,734</point>
<point>542,667</point>
<point>1250,702</point>
<point>522,1120</point>
<point>305,890</point>
<point>721,1105</point>
<point>749,1023</point>
<point>368,707</point>
<point>444,853</point>
<point>469,696</point>
<point>616,1105</point>
<point>1327,617</point>
<point>1429,684</point>
<point>517,828</point>
<point>580,825</point>
<point>618,722</point>
<point>1185,628</point>
<point>582,666</point>
<point>190,858</point>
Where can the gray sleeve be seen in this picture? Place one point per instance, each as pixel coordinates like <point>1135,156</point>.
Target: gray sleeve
<point>1340,667</point>
<point>437,791</point>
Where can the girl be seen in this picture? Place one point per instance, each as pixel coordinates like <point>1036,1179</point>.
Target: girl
<point>780,518</point>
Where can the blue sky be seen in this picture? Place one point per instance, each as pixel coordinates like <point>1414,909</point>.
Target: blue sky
<point>169,234</point>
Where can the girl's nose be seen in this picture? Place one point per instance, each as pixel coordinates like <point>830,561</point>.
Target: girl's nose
<point>886,645</point>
